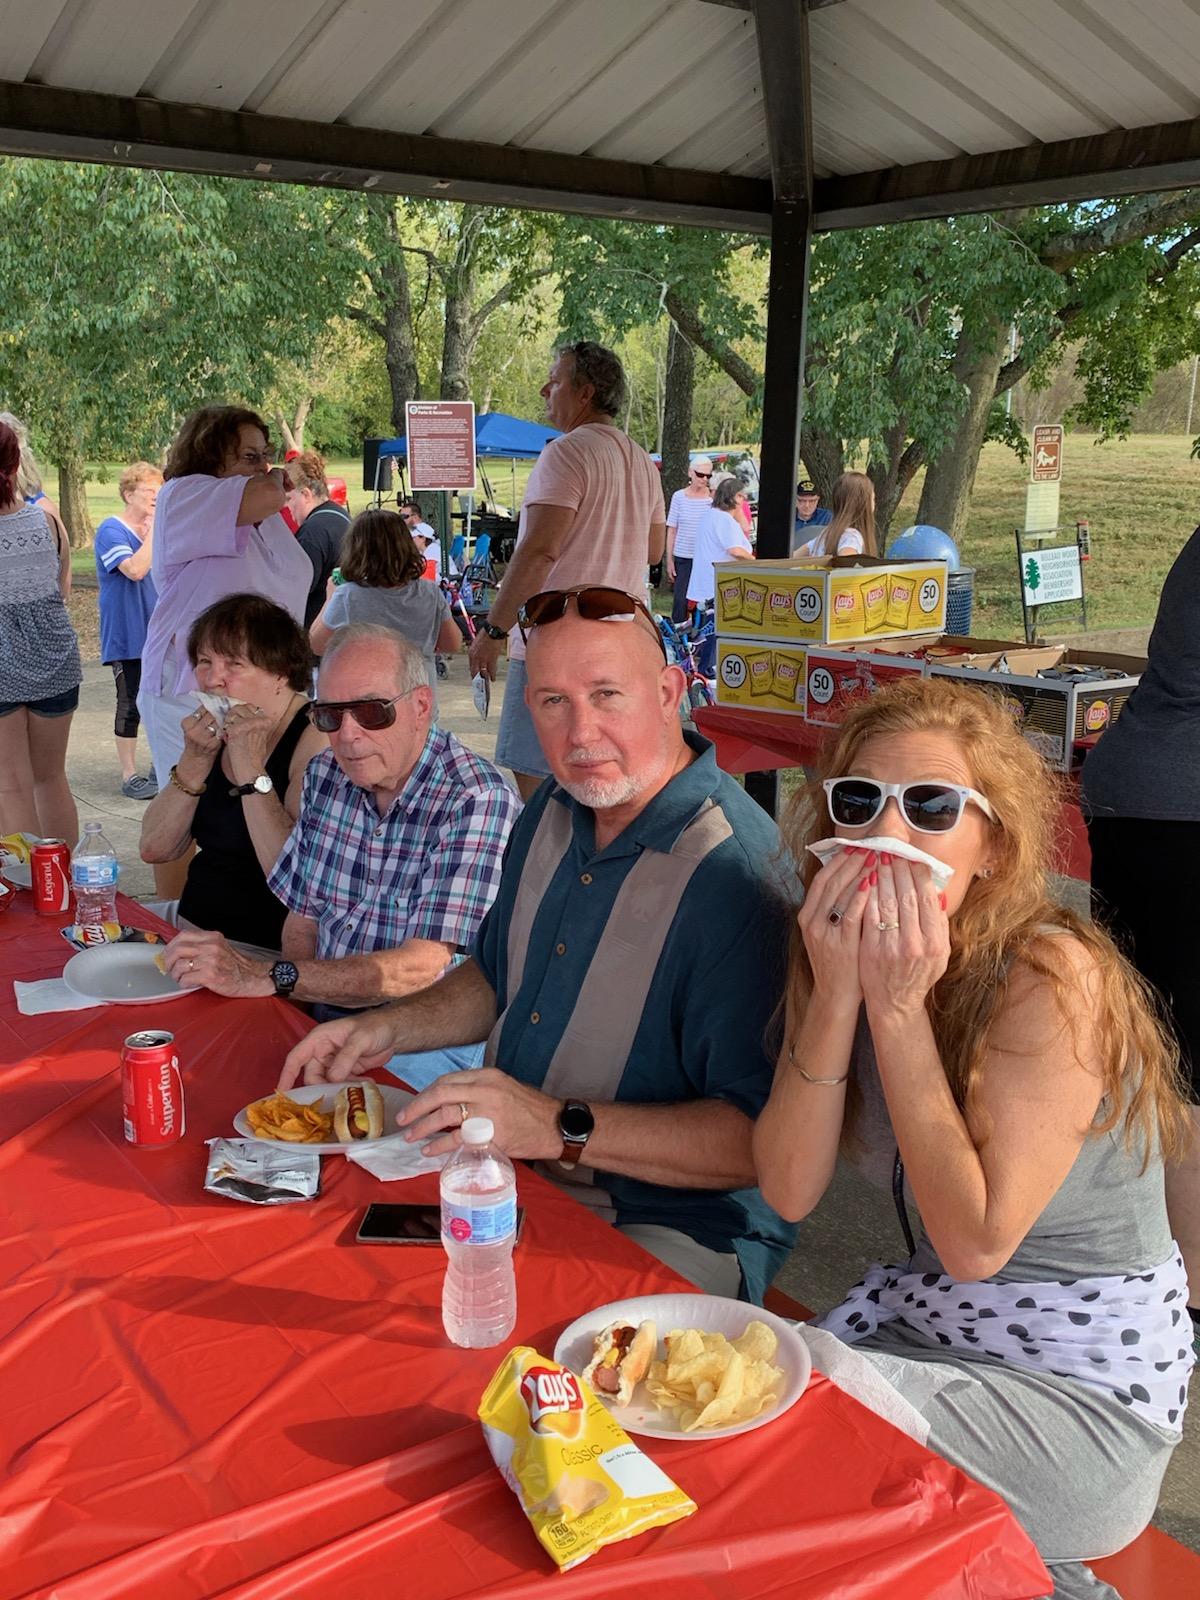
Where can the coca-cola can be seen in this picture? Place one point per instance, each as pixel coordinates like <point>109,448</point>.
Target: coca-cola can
<point>151,1089</point>
<point>50,869</point>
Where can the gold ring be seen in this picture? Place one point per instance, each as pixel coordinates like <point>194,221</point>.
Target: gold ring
<point>462,1106</point>
<point>887,927</point>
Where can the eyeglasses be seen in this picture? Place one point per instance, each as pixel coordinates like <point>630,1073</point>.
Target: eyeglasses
<point>258,458</point>
<point>929,807</point>
<point>369,714</point>
<point>705,475</point>
<point>594,603</point>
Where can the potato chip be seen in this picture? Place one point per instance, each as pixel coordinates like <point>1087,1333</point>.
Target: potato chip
<point>280,1117</point>
<point>712,1381</point>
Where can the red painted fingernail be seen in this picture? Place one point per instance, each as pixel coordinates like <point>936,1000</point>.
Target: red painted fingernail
<point>864,883</point>
<point>886,859</point>
<point>874,879</point>
<point>942,900</point>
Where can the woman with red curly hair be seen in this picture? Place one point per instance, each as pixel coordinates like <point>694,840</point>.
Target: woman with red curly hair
<point>997,1062</point>
<point>40,670</point>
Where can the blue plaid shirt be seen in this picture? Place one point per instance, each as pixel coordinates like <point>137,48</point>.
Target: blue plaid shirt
<point>428,868</point>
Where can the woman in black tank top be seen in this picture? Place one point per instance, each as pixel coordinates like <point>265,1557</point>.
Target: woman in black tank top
<point>236,790</point>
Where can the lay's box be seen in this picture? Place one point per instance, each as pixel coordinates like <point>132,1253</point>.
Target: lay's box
<point>761,674</point>
<point>830,599</point>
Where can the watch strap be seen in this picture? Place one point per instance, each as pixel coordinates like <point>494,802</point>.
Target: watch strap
<point>493,632</point>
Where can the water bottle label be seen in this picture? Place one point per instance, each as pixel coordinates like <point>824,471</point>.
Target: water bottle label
<point>467,1224</point>
<point>97,875</point>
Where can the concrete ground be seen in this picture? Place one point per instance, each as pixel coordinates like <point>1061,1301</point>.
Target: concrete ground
<point>853,1225</point>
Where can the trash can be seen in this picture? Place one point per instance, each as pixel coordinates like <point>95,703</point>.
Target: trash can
<point>960,600</point>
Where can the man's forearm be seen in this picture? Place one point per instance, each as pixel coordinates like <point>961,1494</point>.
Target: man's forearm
<point>461,1009</point>
<point>366,980</point>
<point>698,1144</point>
<point>525,575</point>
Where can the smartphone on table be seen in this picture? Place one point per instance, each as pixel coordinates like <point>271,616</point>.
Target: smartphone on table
<point>400,1224</point>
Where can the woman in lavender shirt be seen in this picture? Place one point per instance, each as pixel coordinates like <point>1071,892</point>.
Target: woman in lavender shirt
<point>217,532</point>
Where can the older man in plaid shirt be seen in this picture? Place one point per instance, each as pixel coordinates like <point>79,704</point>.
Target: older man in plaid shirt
<point>395,856</point>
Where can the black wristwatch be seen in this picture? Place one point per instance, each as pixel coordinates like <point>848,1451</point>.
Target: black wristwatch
<point>575,1124</point>
<point>493,632</point>
<point>285,975</point>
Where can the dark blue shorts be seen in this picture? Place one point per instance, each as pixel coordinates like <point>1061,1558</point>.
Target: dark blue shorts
<point>55,705</point>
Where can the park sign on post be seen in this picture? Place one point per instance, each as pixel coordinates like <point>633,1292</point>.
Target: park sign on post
<point>1051,574</point>
<point>1045,479</point>
<point>441,443</point>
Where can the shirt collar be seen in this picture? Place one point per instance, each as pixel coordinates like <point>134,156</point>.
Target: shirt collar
<point>418,779</point>
<point>659,826</point>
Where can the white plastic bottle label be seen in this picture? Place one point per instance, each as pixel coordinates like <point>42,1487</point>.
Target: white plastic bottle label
<point>101,875</point>
<point>467,1224</point>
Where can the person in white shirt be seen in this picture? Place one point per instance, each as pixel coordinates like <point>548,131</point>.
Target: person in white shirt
<point>851,532</point>
<point>719,537</point>
<point>687,509</point>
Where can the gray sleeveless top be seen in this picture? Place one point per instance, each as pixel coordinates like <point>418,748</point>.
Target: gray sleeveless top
<point>39,653</point>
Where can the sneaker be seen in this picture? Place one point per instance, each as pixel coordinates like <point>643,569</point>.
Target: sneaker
<point>136,788</point>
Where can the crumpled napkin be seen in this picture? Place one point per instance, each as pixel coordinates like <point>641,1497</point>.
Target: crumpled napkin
<point>49,994</point>
<point>869,1380</point>
<point>217,705</point>
<point>395,1158</point>
<point>826,849</point>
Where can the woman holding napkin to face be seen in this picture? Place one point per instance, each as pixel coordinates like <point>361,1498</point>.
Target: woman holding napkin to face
<point>986,1047</point>
<point>235,791</point>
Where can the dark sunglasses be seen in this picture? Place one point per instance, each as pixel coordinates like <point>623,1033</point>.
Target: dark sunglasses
<point>705,475</point>
<point>594,603</point>
<point>929,807</point>
<point>369,714</point>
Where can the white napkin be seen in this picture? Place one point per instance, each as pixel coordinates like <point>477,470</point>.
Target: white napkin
<point>217,705</point>
<point>481,693</point>
<point>395,1158</point>
<point>49,994</point>
<point>826,849</point>
<point>869,1379</point>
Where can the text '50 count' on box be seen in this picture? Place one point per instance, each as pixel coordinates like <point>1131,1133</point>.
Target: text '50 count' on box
<point>760,674</point>
<point>830,599</point>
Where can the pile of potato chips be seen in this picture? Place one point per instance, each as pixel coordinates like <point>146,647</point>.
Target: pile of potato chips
<point>279,1117</point>
<point>712,1381</point>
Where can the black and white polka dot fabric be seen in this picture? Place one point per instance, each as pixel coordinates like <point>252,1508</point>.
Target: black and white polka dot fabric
<point>1129,1334</point>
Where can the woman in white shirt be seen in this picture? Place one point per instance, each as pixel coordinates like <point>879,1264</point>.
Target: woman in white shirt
<point>687,509</point>
<point>719,537</point>
<point>851,532</point>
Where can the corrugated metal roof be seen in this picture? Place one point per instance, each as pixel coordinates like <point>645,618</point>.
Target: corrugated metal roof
<point>669,83</point>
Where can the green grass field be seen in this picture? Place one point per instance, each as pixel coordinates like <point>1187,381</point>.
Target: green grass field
<point>1141,495</point>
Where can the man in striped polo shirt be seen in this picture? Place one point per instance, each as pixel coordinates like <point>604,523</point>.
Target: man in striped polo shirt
<point>626,974</point>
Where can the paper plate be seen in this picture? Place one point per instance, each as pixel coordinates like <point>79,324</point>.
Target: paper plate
<point>121,975</point>
<point>394,1101</point>
<point>710,1313</point>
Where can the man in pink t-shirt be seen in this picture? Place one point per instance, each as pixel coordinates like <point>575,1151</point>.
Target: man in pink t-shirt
<point>592,513</point>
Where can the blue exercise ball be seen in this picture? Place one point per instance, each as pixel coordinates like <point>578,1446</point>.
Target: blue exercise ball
<point>924,542</point>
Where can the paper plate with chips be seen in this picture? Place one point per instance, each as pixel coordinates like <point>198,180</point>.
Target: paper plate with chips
<point>722,1367</point>
<point>304,1116</point>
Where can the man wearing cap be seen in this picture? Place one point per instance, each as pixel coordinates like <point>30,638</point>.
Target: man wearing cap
<point>625,977</point>
<point>810,513</point>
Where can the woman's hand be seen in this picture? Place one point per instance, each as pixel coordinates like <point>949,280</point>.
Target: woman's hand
<point>201,742</point>
<point>905,945</point>
<point>842,886</point>
<point>247,736</point>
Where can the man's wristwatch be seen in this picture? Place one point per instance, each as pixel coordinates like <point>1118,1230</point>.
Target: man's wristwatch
<point>285,975</point>
<point>493,632</point>
<point>261,785</point>
<point>575,1124</point>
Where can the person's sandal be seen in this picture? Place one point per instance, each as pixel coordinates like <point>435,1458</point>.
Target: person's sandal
<point>137,788</point>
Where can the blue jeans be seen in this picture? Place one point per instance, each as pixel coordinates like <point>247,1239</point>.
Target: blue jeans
<point>424,1067</point>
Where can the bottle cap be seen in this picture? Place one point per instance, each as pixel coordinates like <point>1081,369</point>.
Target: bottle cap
<point>477,1130</point>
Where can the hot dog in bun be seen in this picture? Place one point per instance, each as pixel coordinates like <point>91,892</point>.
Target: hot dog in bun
<point>620,1359</point>
<point>358,1112</point>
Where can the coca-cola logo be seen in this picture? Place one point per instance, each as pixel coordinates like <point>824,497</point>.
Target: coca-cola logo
<point>550,1391</point>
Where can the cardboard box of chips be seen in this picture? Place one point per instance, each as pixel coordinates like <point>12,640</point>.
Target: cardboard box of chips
<point>839,676</point>
<point>829,600</point>
<point>761,674</point>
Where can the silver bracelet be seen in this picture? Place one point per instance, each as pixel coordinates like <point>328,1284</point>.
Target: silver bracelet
<point>824,1083</point>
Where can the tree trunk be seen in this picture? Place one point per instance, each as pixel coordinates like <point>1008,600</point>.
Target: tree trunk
<point>680,388</point>
<point>400,357</point>
<point>949,481</point>
<point>72,499</point>
<point>303,408</point>
<point>824,459</point>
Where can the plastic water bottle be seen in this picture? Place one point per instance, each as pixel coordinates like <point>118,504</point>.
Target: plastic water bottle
<point>479,1221</point>
<point>94,872</point>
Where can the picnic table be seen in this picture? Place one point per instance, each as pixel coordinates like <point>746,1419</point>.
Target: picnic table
<point>768,741</point>
<point>203,1398</point>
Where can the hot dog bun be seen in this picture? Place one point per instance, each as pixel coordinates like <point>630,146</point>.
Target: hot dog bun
<point>629,1368</point>
<point>358,1112</point>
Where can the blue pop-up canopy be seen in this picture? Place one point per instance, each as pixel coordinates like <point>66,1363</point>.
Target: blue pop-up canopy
<point>495,435</point>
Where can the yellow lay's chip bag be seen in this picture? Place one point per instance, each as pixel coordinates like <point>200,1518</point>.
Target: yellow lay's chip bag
<point>581,1480</point>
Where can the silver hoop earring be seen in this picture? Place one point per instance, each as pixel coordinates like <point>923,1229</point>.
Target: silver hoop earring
<point>986,873</point>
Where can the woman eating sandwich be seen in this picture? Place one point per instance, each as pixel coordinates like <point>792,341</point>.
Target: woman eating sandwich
<point>998,1063</point>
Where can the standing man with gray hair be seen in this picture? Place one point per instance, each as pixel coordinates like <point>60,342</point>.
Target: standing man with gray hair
<point>395,856</point>
<point>592,513</point>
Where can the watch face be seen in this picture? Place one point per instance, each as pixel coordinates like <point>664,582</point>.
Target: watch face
<point>263,784</point>
<point>285,975</point>
<point>575,1120</point>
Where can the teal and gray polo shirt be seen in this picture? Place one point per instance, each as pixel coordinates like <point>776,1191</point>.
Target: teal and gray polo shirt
<point>646,973</point>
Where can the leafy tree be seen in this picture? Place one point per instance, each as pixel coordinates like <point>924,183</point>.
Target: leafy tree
<point>129,297</point>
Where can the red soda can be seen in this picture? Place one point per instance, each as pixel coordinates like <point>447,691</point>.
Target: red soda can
<point>151,1089</point>
<point>50,868</point>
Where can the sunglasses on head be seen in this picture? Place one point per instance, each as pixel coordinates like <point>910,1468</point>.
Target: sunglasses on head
<point>594,603</point>
<point>369,714</point>
<point>929,807</point>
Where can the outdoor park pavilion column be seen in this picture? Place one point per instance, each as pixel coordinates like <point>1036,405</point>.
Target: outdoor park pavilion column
<point>782,27</point>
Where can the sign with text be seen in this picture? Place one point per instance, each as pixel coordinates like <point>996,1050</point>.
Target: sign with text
<point>1041,506</point>
<point>1045,460</point>
<point>1051,574</point>
<point>441,443</point>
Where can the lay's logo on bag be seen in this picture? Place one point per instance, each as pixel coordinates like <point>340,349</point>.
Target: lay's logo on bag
<point>550,1392</point>
<point>779,600</point>
<point>843,604</point>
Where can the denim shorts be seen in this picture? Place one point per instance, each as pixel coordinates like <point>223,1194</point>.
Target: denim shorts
<point>517,745</point>
<point>55,705</point>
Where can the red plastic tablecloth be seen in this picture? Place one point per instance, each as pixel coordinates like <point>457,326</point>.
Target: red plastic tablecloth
<point>202,1399</point>
<point>764,741</point>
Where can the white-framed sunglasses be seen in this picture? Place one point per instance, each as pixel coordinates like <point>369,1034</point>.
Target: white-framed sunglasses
<point>929,806</point>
